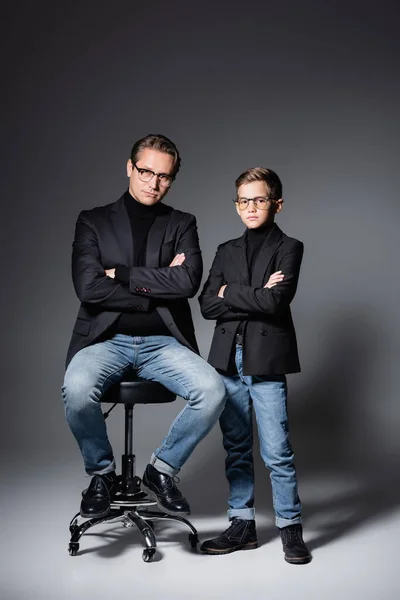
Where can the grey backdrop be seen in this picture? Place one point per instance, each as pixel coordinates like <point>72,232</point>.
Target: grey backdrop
<point>310,89</point>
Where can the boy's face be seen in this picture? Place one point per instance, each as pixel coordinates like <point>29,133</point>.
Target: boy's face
<point>256,216</point>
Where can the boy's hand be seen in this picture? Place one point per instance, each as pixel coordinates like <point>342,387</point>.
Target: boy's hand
<point>275,278</point>
<point>221,291</point>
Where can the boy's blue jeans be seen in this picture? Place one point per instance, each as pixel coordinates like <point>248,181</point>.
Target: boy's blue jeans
<point>268,395</point>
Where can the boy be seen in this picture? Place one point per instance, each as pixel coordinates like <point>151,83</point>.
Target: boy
<point>250,286</point>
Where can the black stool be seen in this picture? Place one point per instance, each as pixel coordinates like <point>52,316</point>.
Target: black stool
<point>129,504</point>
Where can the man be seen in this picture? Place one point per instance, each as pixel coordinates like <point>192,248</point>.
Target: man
<point>134,264</point>
<point>251,283</point>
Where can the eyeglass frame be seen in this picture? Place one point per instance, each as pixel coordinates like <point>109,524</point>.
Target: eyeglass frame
<point>153,174</point>
<point>254,201</point>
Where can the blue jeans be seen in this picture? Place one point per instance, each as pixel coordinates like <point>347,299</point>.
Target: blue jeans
<point>157,358</point>
<point>268,395</point>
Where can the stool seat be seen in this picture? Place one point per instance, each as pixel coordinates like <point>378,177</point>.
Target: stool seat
<point>136,390</point>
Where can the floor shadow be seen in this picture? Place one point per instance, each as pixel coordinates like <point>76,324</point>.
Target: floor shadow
<point>376,498</point>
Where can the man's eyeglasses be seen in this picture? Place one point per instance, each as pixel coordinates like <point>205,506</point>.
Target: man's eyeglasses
<point>147,175</point>
<point>260,202</point>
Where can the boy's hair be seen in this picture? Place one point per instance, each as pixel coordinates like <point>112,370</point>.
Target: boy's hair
<point>272,180</point>
<point>156,142</point>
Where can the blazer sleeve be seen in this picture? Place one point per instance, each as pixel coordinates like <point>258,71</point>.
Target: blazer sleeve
<point>92,285</point>
<point>170,283</point>
<point>211,305</point>
<point>264,300</point>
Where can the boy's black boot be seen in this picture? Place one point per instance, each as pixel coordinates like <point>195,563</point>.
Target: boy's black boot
<point>240,535</point>
<point>296,552</point>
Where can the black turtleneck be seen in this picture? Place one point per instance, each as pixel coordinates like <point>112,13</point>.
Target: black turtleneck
<point>141,217</point>
<point>254,240</point>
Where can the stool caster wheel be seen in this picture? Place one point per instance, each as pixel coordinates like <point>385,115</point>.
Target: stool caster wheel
<point>193,540</point>
<point>73,549</point>
<point>73,527</point>
<point>148,554</point>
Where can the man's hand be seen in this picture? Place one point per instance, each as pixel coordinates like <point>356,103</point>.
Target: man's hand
<point>221,291</point>
<point>110,273</point>
<point>275,278</point>
<point>178,260</point>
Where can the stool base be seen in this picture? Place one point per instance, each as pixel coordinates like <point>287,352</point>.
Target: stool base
<point>133,510</point>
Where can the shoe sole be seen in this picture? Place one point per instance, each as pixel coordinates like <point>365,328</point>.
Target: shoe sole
<point>298,561</point>
<point>95,516</point>
<point>153,495</point>
<point>250,546</point>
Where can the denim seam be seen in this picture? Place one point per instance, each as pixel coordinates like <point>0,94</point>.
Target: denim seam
<point>177,419</point>
<point>112,374</point>
<point>161,449</point>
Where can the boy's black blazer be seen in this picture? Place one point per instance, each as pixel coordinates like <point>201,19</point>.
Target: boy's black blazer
<point>103,239</point>
<point>270,345</point>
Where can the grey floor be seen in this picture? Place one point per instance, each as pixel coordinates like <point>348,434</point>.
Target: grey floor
<point>351,526</point>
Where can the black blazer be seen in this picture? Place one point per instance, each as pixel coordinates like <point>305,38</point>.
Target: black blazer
<point>270,346</point>
<point>103,239</point>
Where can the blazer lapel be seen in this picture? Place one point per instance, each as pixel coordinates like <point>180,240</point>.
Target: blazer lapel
<point>155,238</point>
<point>265,255</point>
<point>239,259</point>
<point>123,231</point>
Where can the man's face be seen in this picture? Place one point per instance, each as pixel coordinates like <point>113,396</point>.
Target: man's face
<point>252,216</point>
<point>144,187</point>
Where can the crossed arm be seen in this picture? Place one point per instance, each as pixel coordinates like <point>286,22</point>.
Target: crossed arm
<point>98,288</point>
<point>178,260</point>
<point>232,301</point>
<point>275,278</point>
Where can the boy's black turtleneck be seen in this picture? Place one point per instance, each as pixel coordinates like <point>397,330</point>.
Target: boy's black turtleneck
<point>254,240</point>
<point>141,217</point>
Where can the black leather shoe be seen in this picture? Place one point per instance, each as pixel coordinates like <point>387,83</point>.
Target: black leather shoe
<point>162,488</point>
<point>240,535</point>
<point>96,499</point>
<point>296,552</point>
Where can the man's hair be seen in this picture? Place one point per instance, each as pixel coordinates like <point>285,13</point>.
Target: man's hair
<point>156,142</point>
<point>274,184</point>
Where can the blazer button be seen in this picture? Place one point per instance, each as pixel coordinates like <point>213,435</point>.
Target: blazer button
<point>263,332</point>
<point>223,330</point>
